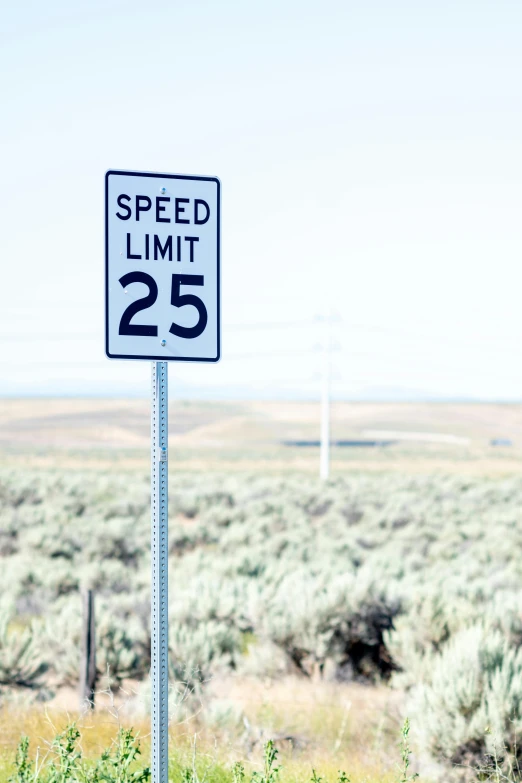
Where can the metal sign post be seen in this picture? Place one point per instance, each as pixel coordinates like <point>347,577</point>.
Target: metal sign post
<point>159,562</point>
<point>162,304</point>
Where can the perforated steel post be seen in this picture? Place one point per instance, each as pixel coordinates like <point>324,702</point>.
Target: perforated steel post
<point>159,558</point>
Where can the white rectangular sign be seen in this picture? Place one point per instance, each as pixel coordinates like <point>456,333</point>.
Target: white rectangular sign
<point>162,267</point>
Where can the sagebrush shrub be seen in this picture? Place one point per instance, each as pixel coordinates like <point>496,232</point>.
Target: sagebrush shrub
<point>470,703</point>
<point>368,576</point>
<point>23,661</point>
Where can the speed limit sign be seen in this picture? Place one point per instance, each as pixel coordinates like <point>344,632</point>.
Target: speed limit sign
<point>162,267</point>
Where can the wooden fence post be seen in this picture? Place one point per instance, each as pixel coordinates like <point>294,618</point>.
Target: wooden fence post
<point>88,659</point>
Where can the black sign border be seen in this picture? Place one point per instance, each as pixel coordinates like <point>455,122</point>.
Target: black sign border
<point>163,358</point>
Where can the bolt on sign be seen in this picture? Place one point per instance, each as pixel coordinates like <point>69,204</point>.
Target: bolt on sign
<point>162,267</point>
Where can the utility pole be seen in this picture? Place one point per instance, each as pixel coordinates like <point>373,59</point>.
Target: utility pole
<point>324,458</point>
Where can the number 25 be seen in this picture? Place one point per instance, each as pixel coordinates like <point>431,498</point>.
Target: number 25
<point>176,298</point>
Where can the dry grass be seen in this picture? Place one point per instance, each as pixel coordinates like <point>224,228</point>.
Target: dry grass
<point>316,725</point>
<point>114,435</point>
<point>346,720</point>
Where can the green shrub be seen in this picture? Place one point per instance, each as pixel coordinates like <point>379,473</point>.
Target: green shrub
<point>360,578</point>
<point>470,704</point>
<point>22,654</point>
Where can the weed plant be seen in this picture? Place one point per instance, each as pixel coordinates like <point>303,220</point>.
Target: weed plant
<point>120,763</point>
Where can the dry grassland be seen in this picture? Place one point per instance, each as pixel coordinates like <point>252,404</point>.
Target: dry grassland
<point>114,434</point>
<point>318,725</point>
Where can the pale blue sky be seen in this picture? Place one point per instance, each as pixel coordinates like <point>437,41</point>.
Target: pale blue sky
<point>370,155</point>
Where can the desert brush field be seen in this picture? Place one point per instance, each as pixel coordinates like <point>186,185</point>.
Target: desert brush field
<point>367,628</point>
